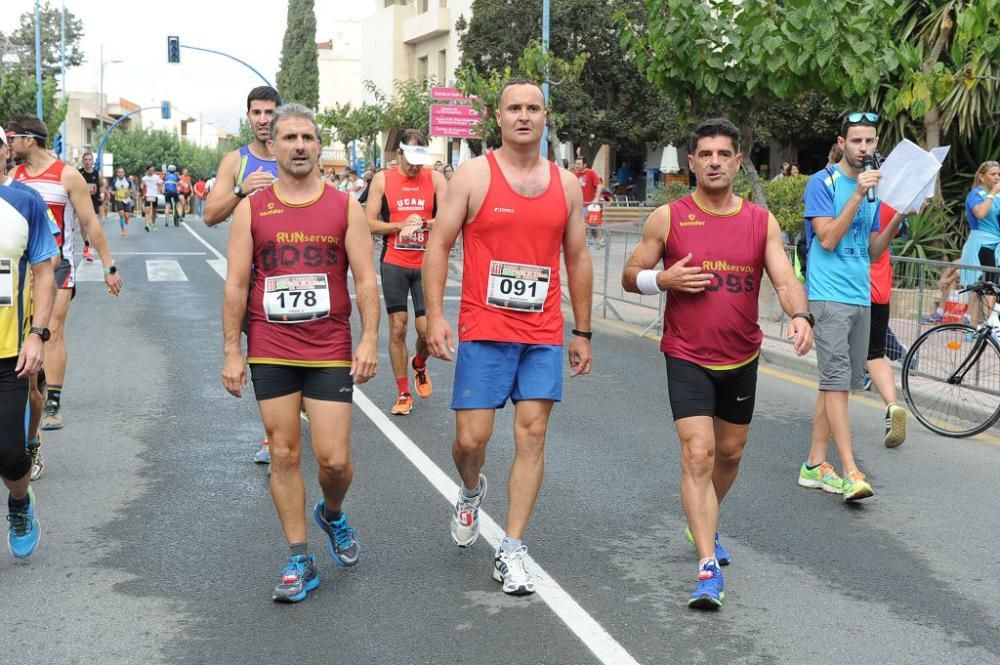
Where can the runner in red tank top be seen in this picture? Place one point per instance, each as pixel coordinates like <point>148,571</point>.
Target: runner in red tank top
<point>301,237</point>
<point>68,196</point>
<point>402,204</point>
<point>516,212</point>
<point>714,248</point>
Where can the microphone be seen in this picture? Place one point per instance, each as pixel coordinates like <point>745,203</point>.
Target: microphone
<point>869,165</point>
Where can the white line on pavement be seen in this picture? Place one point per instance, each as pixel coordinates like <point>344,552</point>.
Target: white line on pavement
<point>87,271</point>
<point>591,633</point>
<point>159,253</point>
<point>164,270</point>
<point>219,266</point>
<point>204,242</point>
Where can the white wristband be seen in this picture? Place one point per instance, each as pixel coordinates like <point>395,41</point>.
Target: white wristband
<point>646,281</point>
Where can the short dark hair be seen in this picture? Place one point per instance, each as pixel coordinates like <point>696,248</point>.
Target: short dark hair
<point>411,137</point>
<point>519,81</point>
<point>715,127</point>
<point>29,125</point>
<point>265,93</point>
<point>581,158</point>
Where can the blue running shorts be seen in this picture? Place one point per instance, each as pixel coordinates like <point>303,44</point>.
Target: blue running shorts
<point>487,374</point>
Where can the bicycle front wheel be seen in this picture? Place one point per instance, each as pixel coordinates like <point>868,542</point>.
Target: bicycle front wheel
<point>951,380</point>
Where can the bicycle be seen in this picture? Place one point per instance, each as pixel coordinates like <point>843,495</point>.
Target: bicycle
<point>174,210</point>
<point>951,374</point>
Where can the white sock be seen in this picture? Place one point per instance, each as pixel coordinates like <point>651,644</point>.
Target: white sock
<point>509,544</point>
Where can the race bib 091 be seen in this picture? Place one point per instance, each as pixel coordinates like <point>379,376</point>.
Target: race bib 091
<point>517,286</point>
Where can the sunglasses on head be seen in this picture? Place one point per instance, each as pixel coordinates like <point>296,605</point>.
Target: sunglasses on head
<point>861,116</point>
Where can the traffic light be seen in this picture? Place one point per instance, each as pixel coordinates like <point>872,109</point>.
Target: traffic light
<point>173,49</point>
<point>165,110</point>
<point>57,144</point>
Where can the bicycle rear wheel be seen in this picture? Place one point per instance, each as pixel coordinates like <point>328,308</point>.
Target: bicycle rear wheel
<point>952,385</point>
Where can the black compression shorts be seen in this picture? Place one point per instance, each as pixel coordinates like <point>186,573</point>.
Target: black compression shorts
<point>328,384</point>
<point>727,394</point>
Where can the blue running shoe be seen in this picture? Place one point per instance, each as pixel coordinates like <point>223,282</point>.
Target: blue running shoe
<point>25,530</point>
<point>263,455</point>
<point>298,579</point>
<point>721,555</point>
<point>709,593</point>
<point>344,547</point>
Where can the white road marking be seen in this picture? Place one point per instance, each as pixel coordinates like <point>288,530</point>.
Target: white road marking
<point>87,271</point>
<point>160,253</point>
<point>204,242</point>
<point>219,266</point>
<point>591,633</point>
<point>164,270</point>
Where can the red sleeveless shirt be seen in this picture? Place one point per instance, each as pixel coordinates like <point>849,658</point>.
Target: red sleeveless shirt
<point>405,197</point>
<point>510,281</point>
<point>300,309</point>
<point>716,328</point>
<point>48,183</point>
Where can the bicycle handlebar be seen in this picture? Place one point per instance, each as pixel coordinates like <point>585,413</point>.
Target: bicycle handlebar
<point>983,288</point>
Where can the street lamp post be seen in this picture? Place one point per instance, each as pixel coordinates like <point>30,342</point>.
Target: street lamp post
<point>101,103</point>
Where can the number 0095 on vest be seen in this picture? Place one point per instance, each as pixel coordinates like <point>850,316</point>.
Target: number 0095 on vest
<point>296,298</point>
<point>517,286</point>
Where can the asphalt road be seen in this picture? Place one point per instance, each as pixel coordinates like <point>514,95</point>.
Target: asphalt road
<point>160,542</point>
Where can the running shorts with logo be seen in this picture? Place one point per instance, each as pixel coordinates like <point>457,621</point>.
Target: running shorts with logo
<point>403,259</point>
<point>510,324</point>
<point>487,374</point>
<point>299,329</point>
<point>727,394</point>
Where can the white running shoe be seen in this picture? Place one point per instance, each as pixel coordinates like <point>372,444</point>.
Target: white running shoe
<point>465,516</point>
<point>508,568</point>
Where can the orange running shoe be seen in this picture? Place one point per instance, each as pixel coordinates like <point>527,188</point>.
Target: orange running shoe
<point>422,380</point>
<point>403,405</point>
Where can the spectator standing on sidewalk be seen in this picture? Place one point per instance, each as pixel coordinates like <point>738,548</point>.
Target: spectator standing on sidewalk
<point>590,184</point>
<point>842,230</point>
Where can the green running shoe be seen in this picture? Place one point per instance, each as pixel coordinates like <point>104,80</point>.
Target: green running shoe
<point>856,487</point>
<point>822,477</point>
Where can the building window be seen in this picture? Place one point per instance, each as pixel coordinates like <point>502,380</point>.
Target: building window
<point>423,6</point>
<point>443,66</point>
<point>422,70</point>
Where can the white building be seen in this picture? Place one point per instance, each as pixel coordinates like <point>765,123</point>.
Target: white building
<point>413,39</point>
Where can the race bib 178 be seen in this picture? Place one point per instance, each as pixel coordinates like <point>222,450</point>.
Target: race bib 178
<point>296,298</point>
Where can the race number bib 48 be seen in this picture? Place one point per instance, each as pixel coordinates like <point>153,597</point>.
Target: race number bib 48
<point>517,286</point>
<point>296,298</point>
<point>6,282</point>
<point>417,242</point>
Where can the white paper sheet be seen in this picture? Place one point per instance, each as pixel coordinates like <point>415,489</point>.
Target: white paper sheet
<point>908,176</point>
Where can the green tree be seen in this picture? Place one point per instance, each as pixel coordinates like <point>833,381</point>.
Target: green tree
<point>610,100</point>
<point>22,40</point>
<point>949,52</point>
<point>740,58</point>
<point>17,90</point>
<point>135,150</point>
<point>408,107</point>
<point>298,76</point>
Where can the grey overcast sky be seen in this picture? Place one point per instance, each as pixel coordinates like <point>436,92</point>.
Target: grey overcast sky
<point>203,83</point>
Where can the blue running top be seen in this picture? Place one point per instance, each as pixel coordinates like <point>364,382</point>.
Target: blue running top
<point>250,162</point>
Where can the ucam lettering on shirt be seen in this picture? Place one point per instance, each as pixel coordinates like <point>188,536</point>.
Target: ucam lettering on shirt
<point>408,203</point>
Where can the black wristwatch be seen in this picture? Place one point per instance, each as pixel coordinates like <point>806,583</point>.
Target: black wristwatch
<point>810,319</point>
<point>111,270</point>
<point>41,332</point>
<point>586,334</point>
<point>238,191</point>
